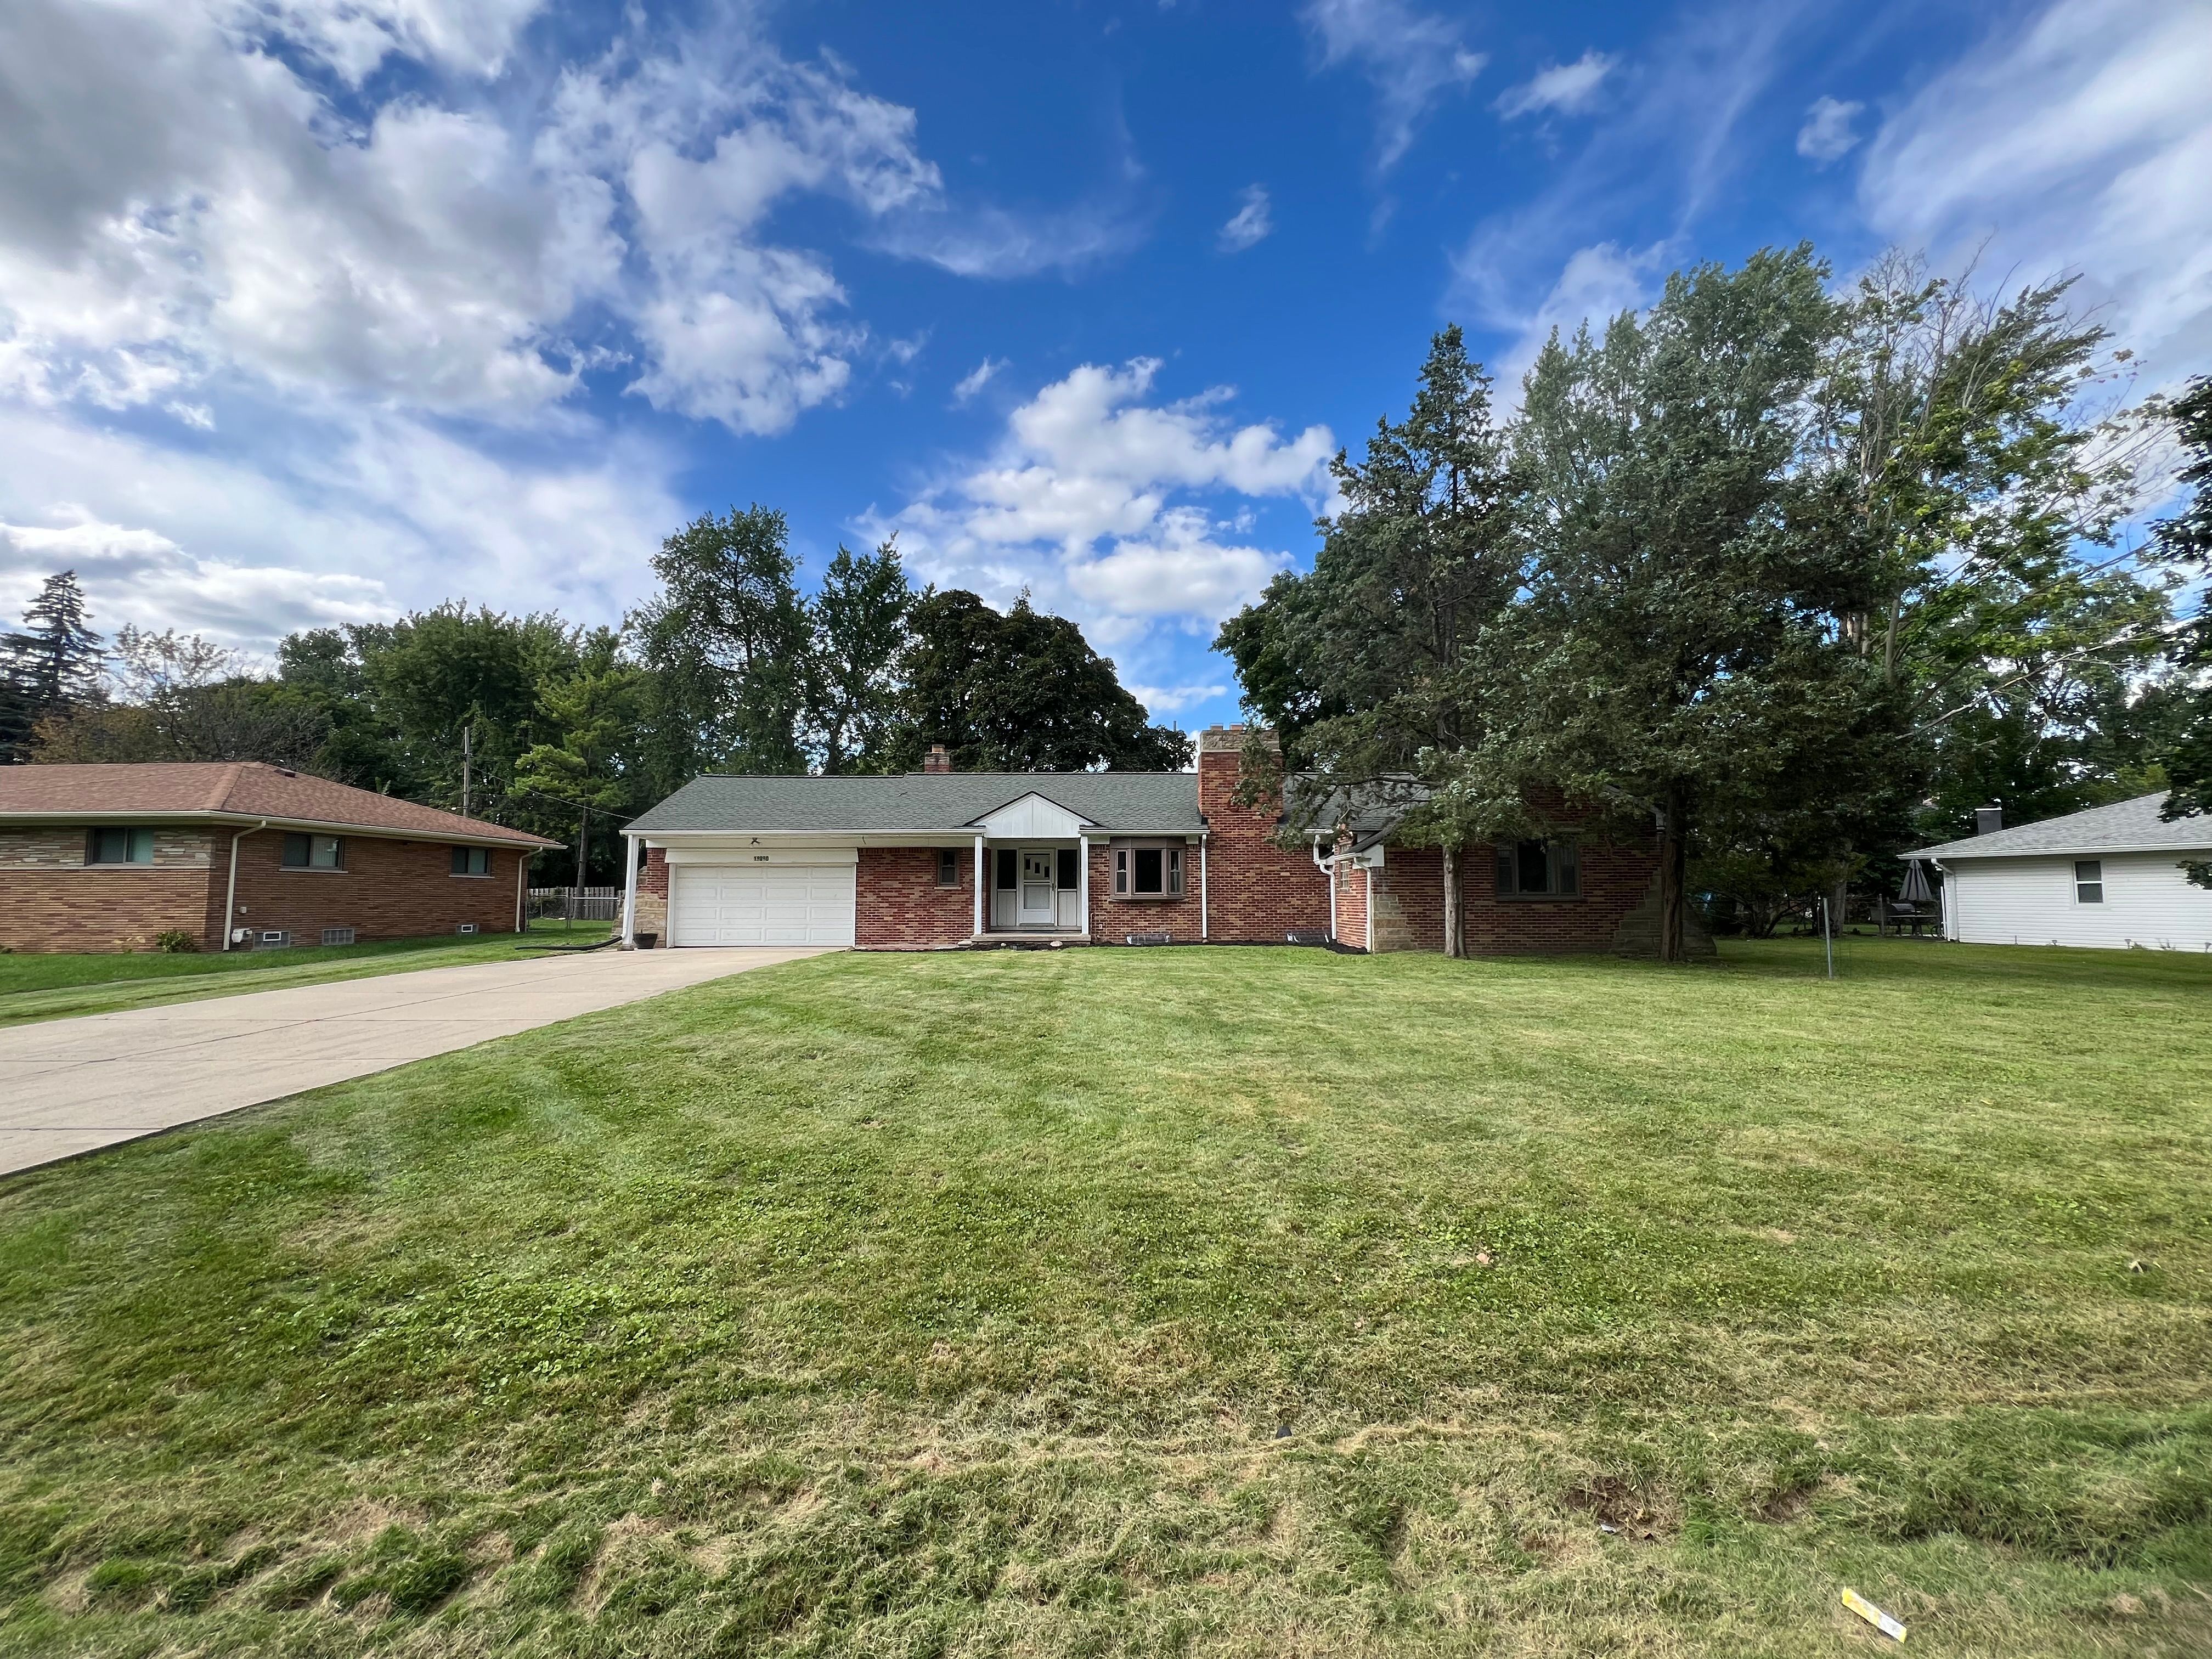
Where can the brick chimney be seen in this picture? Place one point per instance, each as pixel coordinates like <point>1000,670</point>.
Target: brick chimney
<point>939,759</point>
<point>1220,762</point>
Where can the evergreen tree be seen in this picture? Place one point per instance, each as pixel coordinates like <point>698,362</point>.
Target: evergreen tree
<point>50,667</point>
<point>1019,691</point>
<point>1358,666</point>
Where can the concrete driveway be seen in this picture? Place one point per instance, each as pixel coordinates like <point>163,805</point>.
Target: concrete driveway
<point>69,1085</point>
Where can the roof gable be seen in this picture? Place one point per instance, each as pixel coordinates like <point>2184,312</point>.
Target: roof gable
<point>1032,814</point>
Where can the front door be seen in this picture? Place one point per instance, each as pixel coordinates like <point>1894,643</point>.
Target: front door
<point>1040,883</point>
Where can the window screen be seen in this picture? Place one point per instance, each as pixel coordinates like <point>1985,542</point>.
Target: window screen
<point>948,866</point>
<point>119,847</point>
<point>472,860</point>
<point>2089,881</point>
<point>313,853</point>
<point>1009,864</point>
<point>1067,870</point>
<point>1538,869</point>
<point>1151,877</point>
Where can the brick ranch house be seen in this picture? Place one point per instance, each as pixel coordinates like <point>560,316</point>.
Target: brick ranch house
<point>105,857</point>
<point>891,863</point>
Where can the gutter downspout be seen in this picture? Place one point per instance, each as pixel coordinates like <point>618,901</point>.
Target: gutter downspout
<point>522,877</point>
<point>230,893</point>
<point>629,893</point>
<point>1327,868</point>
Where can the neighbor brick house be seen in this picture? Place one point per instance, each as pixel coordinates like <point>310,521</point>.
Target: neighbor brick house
<point>234,854</point>
<point>891,863</point>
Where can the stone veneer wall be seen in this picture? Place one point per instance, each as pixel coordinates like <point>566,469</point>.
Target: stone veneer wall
<point>52,900</point>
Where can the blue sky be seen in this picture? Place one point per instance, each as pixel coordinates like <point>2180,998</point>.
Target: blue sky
<point>320,310</point>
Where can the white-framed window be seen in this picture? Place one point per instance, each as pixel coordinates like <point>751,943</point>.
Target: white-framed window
<point>119,846</point>
<point>2088,881</point>
<point>1538,869</point>
<point>1154,872</point>
<point>472,860</point>
<point>313,853</point>
<point>948,866</point>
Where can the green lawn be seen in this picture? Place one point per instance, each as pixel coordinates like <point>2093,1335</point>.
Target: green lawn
<point>54,987</point>
<point>1254,1302</point>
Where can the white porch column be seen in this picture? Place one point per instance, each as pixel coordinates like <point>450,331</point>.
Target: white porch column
<point>1203,932</point>
<point>980,878</point>
<point>629,891</point>
<point>1083,881</point>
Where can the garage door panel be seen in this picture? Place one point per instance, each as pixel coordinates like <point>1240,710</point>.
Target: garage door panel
<point>790,904</point>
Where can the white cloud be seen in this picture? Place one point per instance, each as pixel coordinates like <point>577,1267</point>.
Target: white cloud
<point>1826,135</point>
<point>1079,505</point>
<point>1251,223</point>
<point>976,378</point>
<point>1160,700</point>
<point>1411,57</point>
<point>1643,178</point>
<point>177,208</point>
<point>2081,141</point>
<point>322,522</point>
<point>1597,284</point>
<point>1567,87</point>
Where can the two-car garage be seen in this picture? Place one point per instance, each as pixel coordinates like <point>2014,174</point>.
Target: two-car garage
<point>763,900</point>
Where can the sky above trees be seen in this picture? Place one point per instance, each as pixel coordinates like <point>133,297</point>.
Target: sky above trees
<point>316,311</point>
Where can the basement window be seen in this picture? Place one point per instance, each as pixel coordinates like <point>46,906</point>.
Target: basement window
<point>2088,881</point>
<point>1148,872</point>
<point>472,860</point>
<point>313,853</point>
<point>948,866</point>
<point>119,846</point>
<point>1538,869</point>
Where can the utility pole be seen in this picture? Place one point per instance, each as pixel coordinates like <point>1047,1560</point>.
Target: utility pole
<point>583,840</point>
<point>466,730</point>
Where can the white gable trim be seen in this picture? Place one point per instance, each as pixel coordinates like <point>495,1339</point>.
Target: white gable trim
<point>1033,816</point>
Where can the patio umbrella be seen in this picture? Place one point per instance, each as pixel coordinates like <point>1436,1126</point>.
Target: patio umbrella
<point>1915,890</point>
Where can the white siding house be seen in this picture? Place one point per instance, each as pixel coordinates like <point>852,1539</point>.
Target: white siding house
<point>2108,879</point>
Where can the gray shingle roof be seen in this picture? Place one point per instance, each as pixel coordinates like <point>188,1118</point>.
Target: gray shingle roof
<point>1137,803</point>
<point>2127,826</point>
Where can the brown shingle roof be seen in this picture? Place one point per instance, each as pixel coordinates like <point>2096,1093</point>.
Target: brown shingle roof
<point>231,789</point>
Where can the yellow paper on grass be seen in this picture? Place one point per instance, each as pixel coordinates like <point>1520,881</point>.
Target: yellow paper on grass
<point>1873,1614</point>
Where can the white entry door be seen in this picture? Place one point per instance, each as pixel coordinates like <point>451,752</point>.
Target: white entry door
<point>1040,883</point>
<point>762,904</point>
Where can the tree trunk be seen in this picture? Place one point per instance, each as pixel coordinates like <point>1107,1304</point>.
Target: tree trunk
<point>1674,860</point>
<point>1454,945</point>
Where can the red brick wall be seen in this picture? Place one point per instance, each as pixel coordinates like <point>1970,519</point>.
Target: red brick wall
<point>1112,920</point>
<point>1257,891</point>
<point>1613,881</point>
<point>901,908</point>
<point>1351,904</point>
<point>654,878</point>
<point>388,890</point>
<point>50,900</point>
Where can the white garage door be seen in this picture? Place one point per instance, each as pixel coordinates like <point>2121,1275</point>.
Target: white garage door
<point>781,905</point>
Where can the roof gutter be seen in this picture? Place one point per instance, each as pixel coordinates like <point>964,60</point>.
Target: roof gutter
<point>339,826</point>
<point>230,893</point>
